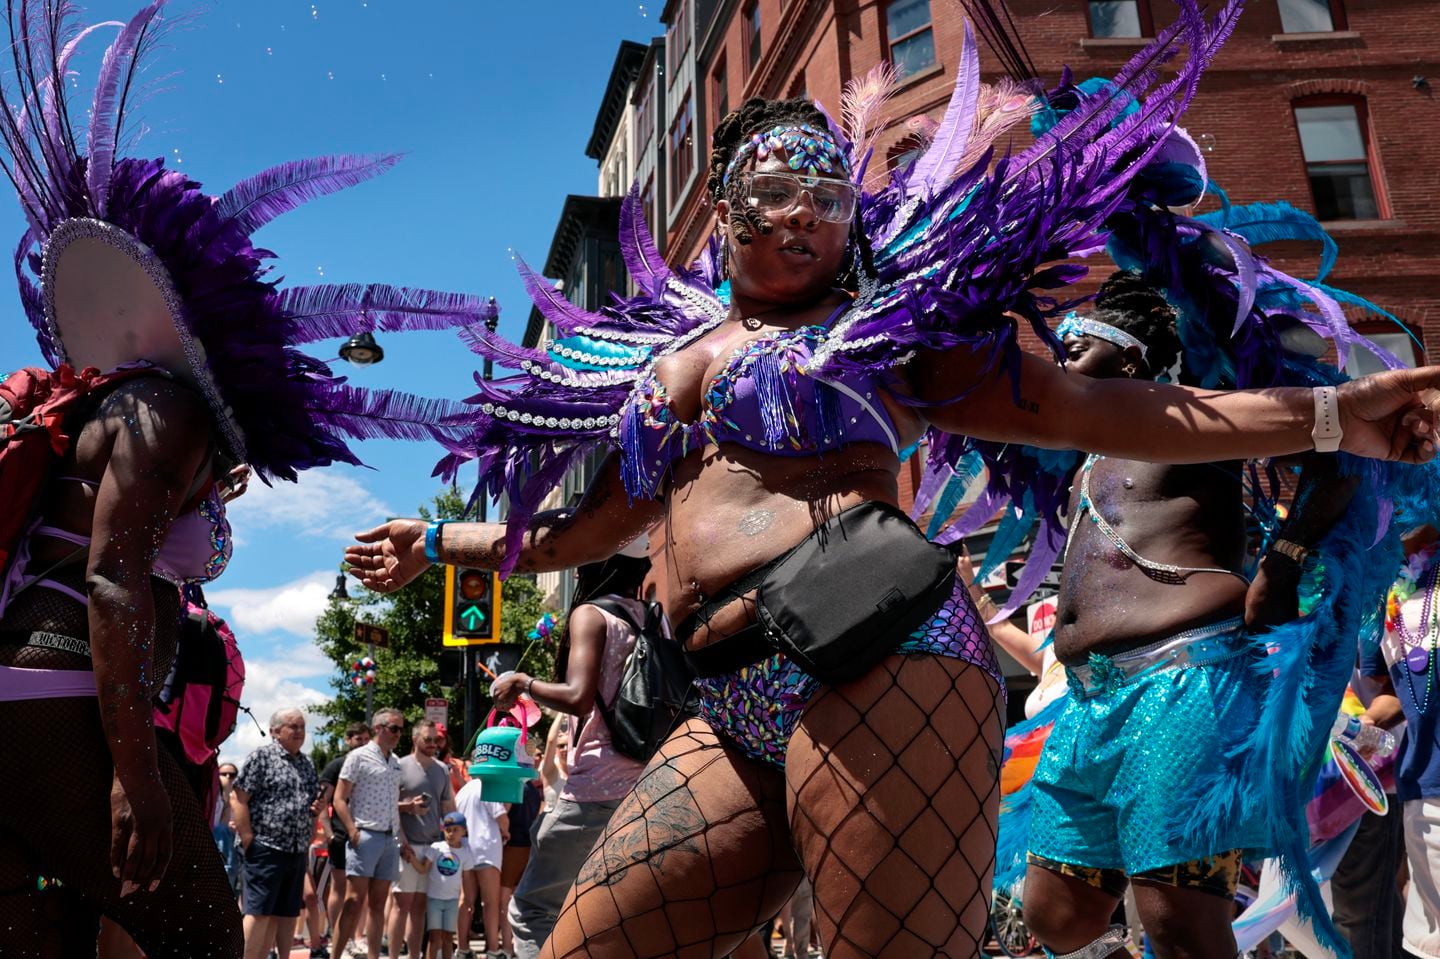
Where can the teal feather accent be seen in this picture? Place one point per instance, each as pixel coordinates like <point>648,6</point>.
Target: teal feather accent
<point>970,468</point>
<point>591,354</point>
<point>1275,222</point>
<point>1013,528</point>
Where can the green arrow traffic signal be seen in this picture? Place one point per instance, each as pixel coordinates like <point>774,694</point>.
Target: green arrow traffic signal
<point>472,617</point>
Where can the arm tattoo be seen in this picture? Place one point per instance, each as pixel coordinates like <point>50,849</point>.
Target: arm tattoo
<point>1029,406</point>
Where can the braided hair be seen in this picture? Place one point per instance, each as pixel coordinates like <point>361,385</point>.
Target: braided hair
<point>755,115</point>
<point>1126,302</point>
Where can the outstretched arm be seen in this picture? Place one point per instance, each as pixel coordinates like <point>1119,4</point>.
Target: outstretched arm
<point>392,555</point>
<point>1382,415</point>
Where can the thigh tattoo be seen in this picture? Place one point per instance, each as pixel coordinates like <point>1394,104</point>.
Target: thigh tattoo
<point>662,819</point>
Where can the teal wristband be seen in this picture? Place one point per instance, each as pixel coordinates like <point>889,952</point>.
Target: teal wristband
<point>432,541</point>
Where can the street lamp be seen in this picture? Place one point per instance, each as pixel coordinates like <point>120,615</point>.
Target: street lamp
<point>342,595</point>
<point>362,350</point>
<point>339,594</point>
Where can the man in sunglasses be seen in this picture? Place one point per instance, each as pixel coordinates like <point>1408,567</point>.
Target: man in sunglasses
<point>367,803</point>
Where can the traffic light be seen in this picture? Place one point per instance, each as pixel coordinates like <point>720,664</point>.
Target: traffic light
<point>472,606</point>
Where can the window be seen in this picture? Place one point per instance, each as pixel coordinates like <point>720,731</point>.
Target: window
<point>682,149</point>
<point>677,38</point>
<point>1120,18</point>
<point>1311,16</point>
<point>647,202</point>
<point>752,35</point>
<point>912,42</point>
<point>719,93</point>
<point>1361,361</point>
<point>1335,141</point>
<point>645,118</point>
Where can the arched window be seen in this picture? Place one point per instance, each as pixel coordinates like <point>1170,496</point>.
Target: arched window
<point>1340,158</point>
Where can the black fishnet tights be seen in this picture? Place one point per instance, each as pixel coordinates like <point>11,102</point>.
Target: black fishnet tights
<point>889,799</point>
<point>55,776</point>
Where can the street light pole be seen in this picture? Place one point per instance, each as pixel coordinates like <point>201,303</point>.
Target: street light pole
<point>472,655</point>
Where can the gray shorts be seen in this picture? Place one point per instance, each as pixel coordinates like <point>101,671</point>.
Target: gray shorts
<point>377,857</point>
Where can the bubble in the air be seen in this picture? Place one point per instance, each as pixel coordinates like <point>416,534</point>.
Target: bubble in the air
<point>330,74</point>
<point>314,13</point>
<point>320,270</point>
<point>219,78</point>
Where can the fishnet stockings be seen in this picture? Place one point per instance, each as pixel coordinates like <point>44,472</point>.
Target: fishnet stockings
<point>55,820</point>
<point>890,796</point>
<point>56,823</point>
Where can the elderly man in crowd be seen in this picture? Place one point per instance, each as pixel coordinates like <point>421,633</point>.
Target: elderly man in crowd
<point>367,804</point>
<point>426,796</point>
<point>275,801</point>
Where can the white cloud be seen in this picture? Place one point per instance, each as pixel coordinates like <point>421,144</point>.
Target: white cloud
<point>325,503</point>
<point>292,607</point>
<point>274,683</point>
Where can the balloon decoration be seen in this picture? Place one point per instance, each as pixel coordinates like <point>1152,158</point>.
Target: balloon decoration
<point>362,671</point>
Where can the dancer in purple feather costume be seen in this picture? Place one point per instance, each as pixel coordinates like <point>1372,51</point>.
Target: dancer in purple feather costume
<point>128,266</point>
<point>766,396</point>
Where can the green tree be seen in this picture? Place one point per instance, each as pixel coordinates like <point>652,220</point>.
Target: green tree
<point>409,670</point>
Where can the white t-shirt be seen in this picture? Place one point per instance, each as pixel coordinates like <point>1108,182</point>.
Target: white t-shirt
<point>480,822</point>
<point>448,865</point>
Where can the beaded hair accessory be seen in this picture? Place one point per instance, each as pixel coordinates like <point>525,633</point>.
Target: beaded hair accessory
<point>806,148</point>
<point>1077,325</point>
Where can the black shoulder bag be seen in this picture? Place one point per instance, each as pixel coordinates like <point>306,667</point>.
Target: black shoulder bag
<point>840,601</point>
<point>654,689</point>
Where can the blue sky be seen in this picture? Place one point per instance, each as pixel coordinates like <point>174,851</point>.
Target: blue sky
<point>492,103</point>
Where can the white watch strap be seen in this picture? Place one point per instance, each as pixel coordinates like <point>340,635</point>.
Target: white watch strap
<point>1326,433</point>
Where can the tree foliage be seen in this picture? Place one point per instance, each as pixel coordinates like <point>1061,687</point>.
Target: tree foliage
<point>408,671</point>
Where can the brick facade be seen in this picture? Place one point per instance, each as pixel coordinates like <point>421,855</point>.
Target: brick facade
<point>1385,58</point>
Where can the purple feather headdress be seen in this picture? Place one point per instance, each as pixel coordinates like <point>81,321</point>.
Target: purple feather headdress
<point>276,408</point>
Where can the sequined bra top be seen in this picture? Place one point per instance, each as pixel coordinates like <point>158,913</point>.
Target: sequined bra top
<point>763,399</point>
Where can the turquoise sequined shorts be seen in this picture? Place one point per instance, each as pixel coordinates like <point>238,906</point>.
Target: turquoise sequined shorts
<point>1139,730</point>
<point>757,707</point>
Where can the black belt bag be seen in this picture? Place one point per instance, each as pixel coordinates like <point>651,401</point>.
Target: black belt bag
<point>841,600</point>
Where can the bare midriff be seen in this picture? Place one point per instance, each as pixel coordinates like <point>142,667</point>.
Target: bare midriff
<point>731,509</point>
<point>1182,515</point>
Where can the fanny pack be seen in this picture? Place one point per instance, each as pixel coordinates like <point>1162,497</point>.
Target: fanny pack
<point>838,602</point>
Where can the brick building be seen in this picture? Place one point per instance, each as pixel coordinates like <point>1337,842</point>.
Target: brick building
<point>1328,104</point>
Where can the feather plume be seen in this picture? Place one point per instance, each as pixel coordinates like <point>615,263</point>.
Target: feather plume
<point>107,111</point>
<point>344,309</point>
<point>937,164</point>
<point>385,414</point>
<point>1001,106</point>
<point>862,107</point>
<point>642,258</point>
<point>564,315</point>
<point>255,201</point>
<point>1275,222</point>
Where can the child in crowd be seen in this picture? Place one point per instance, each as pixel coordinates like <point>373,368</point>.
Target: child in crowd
<point>489,831</point>
<point>447,862</point>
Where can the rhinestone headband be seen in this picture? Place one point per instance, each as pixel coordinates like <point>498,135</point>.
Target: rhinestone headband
<point>1077,325</point>
<point>806,148</point>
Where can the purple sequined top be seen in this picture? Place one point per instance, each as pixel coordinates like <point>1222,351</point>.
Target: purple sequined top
<point>764,399</point>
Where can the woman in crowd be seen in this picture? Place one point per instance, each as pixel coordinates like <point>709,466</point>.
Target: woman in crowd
<point>757,415</point>
<point>589,660</point>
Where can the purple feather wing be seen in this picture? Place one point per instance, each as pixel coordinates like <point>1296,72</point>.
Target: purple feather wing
<point>344,309</point>
<point>107,111</point>
<point>256,201</point>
